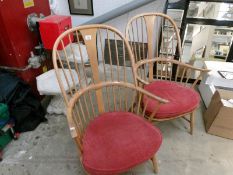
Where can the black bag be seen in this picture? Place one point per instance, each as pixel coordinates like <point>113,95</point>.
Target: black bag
<point>24,107</point>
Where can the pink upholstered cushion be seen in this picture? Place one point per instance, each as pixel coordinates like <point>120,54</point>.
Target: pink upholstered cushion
<point>116,141</point>
<point>181,99</point>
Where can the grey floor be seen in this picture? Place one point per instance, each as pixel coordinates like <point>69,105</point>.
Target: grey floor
<point>49,150</point>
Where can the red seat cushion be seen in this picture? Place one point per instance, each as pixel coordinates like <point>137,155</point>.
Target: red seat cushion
<point>116,141</point>
<point>181,99</point>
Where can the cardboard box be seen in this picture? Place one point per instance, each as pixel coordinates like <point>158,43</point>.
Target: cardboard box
<point>219,115</point>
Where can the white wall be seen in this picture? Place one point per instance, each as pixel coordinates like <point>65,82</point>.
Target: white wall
<point>120,22</point>
<point>61,7</point>
<point>103,6</point>
<point>203,38</point>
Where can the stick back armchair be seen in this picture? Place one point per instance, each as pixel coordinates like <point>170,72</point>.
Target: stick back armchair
<point>105,114</point>
<point>158,71</point>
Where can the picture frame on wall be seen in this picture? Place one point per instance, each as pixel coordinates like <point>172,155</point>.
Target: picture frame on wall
<point>81,7</point>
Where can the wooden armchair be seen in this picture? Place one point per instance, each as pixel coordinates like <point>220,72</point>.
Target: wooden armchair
<point>104,114</point>
<point>112,134</point>
<point>157,70</point>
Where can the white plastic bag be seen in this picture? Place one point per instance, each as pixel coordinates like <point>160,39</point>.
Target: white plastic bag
<point>72,52</point>
<point>47,83</point>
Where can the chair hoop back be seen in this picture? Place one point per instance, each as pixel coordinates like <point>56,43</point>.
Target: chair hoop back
<point>91,54</point>
<point>146,31</point>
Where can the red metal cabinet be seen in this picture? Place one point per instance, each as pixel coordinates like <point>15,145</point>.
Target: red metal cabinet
<point>51,27</point>
<point>16,40</point>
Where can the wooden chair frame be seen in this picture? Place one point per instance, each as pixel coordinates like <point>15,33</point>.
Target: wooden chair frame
<point>167,69</point>
<point>183,69</point>
<point>90,41</point>
<point>102,94</point>
<point>79,112</point>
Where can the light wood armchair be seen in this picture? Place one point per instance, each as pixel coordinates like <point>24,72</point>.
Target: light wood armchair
<point>158,72</point>
<point>111,134</point>
<point>104,115</point>
<point>176,87</point>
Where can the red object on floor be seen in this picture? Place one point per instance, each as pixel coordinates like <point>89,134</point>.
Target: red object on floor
<point>16,40</point>
<point>181,99</point>
<point>51,27</point>
<point>114,142</point>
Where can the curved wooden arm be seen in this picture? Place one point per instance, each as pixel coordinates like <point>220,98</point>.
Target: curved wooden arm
<point>78,94</point>
<point>140,63</point>
<point>164,60</point>
<point>134,106</point>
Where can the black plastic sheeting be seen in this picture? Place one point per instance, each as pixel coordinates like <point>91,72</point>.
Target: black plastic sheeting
<point>25,109</point>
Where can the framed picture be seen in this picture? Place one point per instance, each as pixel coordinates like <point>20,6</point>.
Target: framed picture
<point>81,7</point>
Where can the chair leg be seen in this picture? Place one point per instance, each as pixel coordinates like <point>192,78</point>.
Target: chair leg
<point>192,118</point>
<point>155,164</point>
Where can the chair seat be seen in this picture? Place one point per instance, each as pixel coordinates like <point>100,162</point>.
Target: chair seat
<point>181,99</point>
<point>114,142</point>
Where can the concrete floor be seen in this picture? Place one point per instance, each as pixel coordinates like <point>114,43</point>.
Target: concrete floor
<point>49,150</point>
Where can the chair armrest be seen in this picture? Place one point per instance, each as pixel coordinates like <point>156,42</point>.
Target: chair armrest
<point>165,63</point>
<point>97,87</point>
